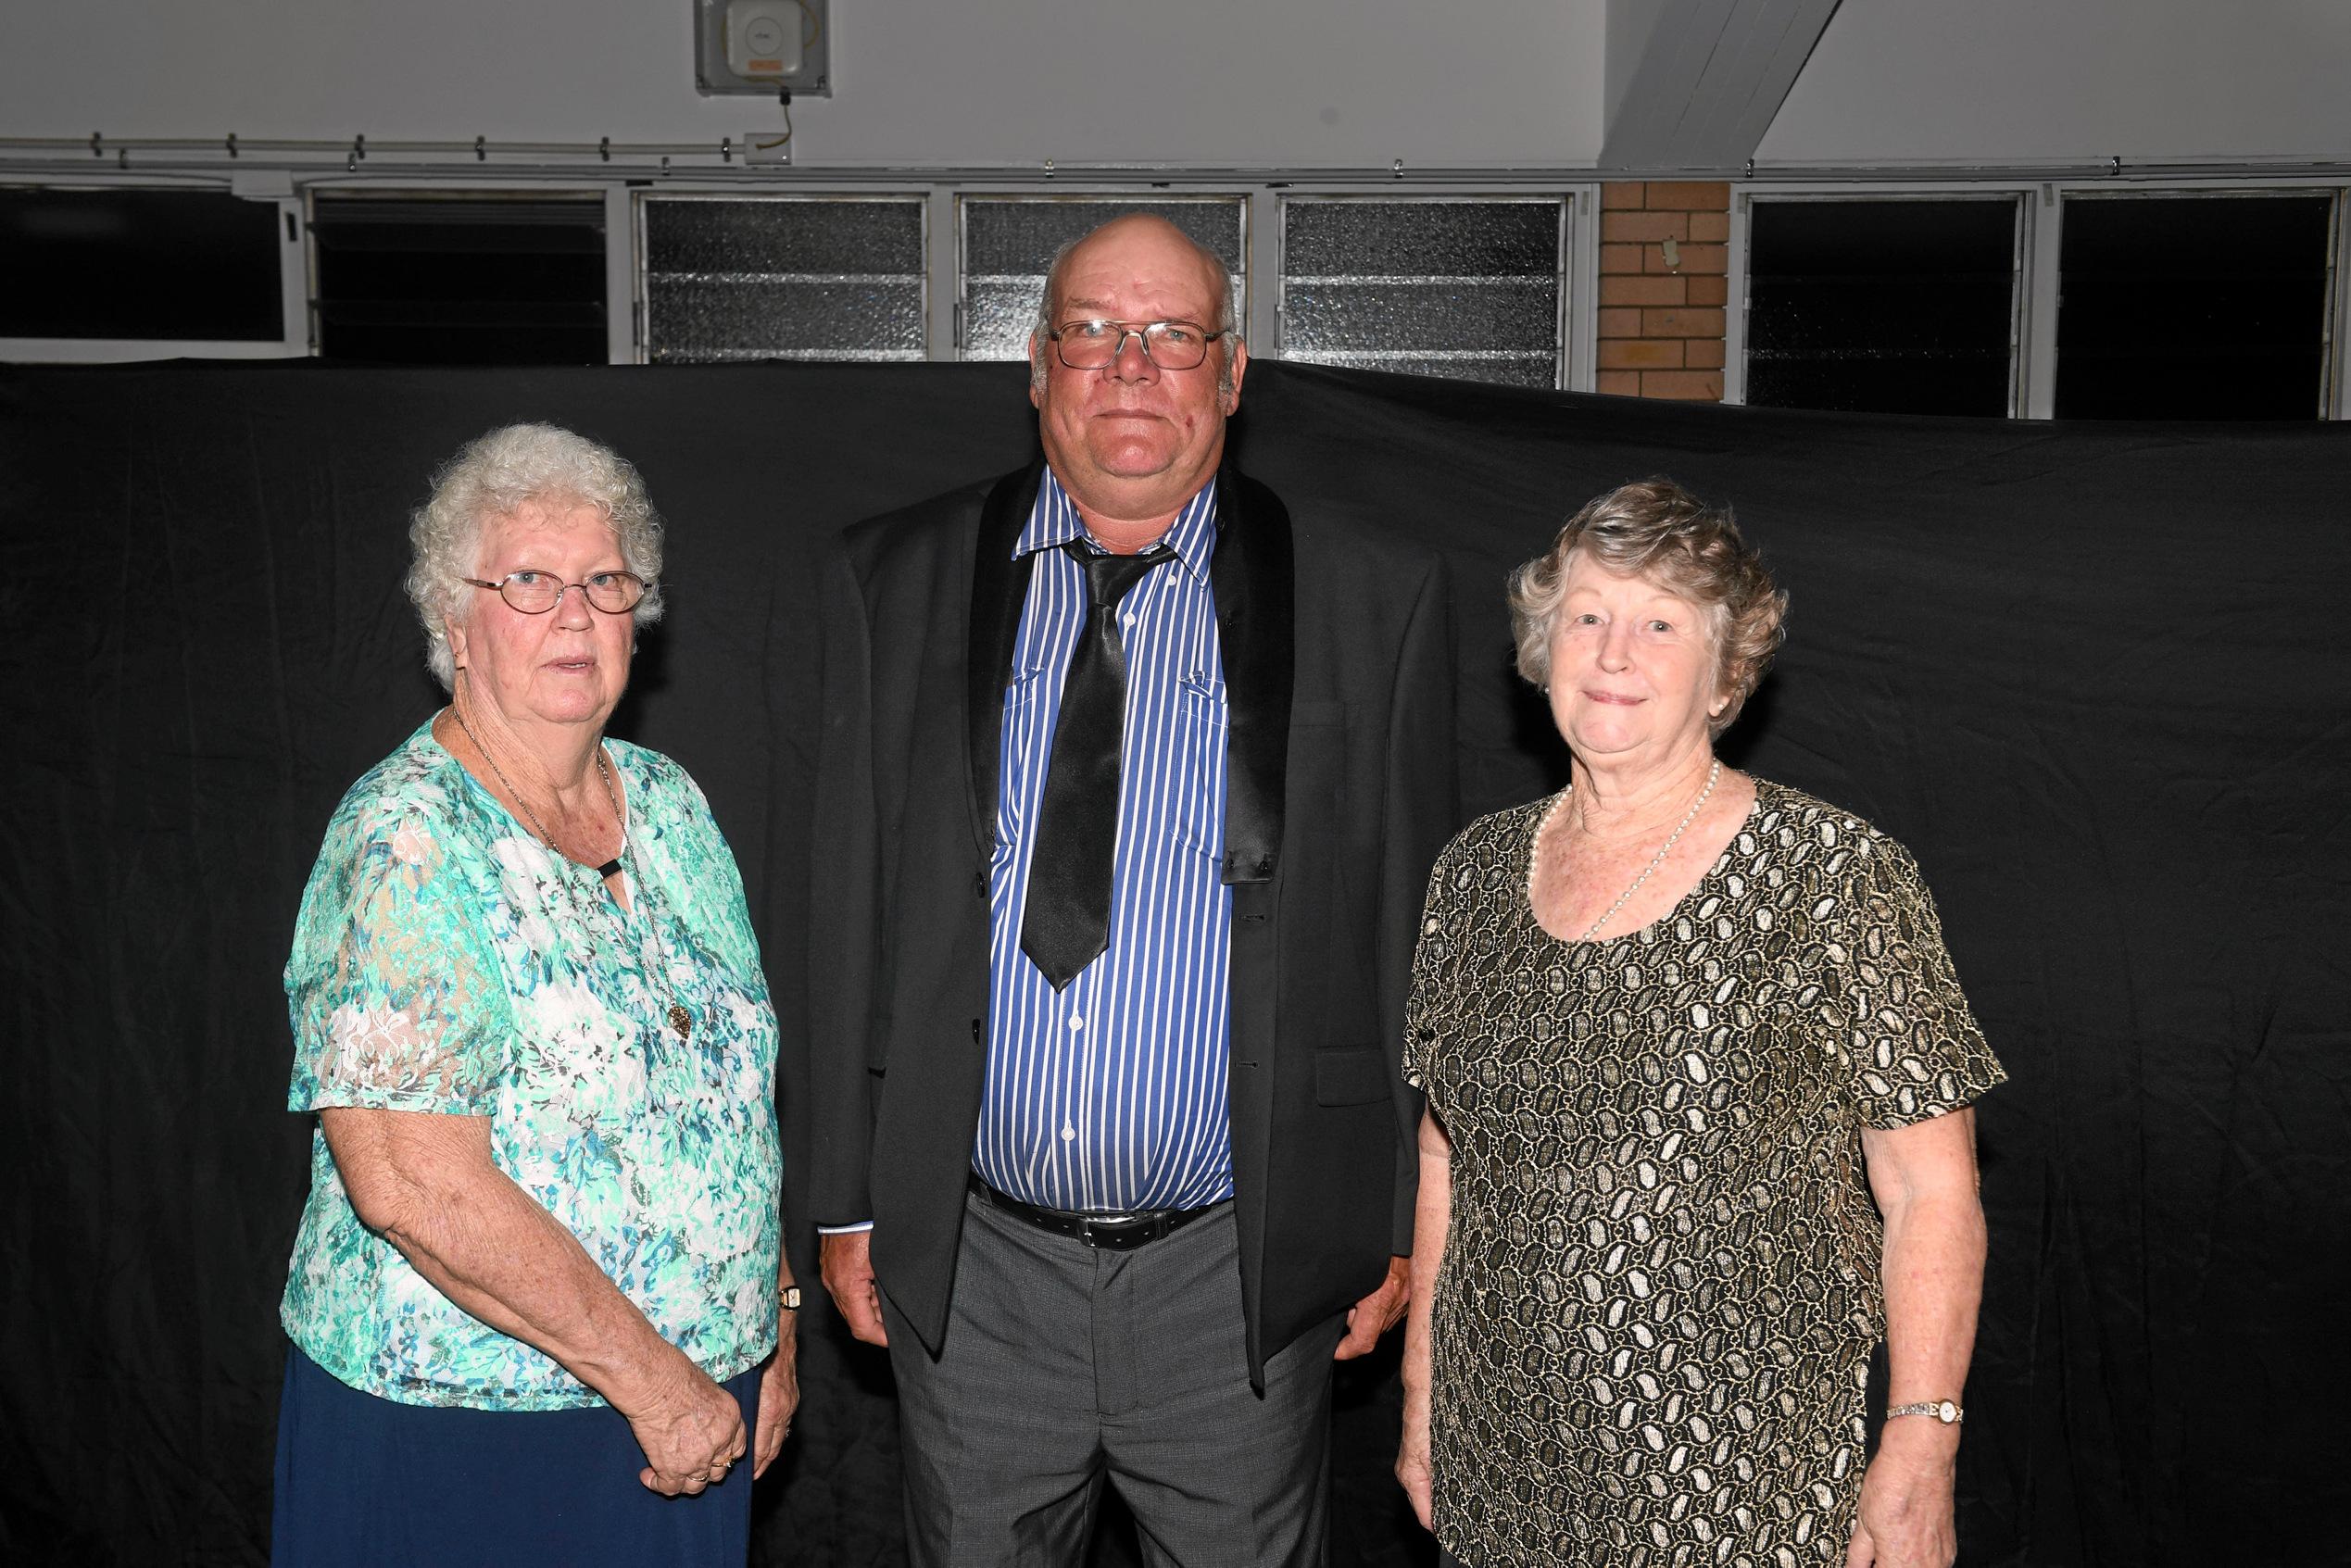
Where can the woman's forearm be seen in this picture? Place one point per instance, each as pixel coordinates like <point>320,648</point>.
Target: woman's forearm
<point>1433,1217</point>
<point>1934,1255</point>
<point>427,1184</point>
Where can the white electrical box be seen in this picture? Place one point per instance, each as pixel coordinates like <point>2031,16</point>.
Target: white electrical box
<point>763,47</point>
<point>763,38</point>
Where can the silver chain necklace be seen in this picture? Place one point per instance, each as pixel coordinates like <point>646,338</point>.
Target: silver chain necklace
<point>1675,837</point>
<point>679,1019</point>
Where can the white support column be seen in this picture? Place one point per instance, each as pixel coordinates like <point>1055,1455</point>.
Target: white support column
<point>624,280</point>
<point>1580,279</point>
<point>2037,338</point>
<point>1734,302</point>
<point>943,287</point>
<point>1263,256</point>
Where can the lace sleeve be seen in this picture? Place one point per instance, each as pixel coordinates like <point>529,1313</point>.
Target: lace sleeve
<point>1915,1049</point>
<point>397,997</point>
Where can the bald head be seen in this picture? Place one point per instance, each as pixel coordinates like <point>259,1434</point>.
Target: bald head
<point>1126,230</point>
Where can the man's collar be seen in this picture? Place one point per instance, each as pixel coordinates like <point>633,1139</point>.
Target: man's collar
<point>1054,520</point>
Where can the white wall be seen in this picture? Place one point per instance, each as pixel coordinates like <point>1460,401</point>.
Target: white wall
<point>941,83</point>
<point>1998,80</point>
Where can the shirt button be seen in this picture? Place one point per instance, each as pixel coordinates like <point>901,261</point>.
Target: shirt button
<point>1130,618</point>
<point>1068,1133</point>
<point>1076,1023</point>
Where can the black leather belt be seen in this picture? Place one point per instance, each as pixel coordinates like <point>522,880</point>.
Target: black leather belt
<point>1115,1233</point>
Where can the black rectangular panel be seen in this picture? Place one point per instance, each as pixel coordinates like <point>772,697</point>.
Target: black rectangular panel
<point>2193,307</point>
<point>455,280</point>
<point>184,266</point>
<point>1882,306</point>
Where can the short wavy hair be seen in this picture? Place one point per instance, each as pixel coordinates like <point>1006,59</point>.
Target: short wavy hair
<point>492,477</point>
<point>1654,529</point>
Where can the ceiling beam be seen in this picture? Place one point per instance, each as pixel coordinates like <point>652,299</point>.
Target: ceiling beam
<point>1695,83</point>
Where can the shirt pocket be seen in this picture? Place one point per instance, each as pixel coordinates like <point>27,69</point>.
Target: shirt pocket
<point>1198,816</point>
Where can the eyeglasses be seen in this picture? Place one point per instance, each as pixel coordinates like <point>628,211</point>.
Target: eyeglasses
<point>535,593</point>
<point>1172,345</point>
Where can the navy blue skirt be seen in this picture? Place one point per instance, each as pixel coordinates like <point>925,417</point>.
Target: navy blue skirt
<point>367,1483</point>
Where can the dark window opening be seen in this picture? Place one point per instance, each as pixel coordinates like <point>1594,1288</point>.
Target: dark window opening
<point>2193,307</point>
<point>461,282</point>
<point>187,266</point>
<point>1882,307</point>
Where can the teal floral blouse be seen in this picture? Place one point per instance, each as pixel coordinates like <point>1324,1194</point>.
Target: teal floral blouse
<point>445,961</point>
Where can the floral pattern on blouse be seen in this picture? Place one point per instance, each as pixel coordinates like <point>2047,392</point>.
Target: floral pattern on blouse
<point>445,961</point>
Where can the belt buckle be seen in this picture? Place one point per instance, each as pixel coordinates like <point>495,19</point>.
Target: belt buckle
<point>1118,1233</point>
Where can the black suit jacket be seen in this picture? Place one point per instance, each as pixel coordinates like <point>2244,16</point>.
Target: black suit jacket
<point>1337,655</point>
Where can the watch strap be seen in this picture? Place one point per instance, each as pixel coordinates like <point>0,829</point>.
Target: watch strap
<point>1948,1412</point>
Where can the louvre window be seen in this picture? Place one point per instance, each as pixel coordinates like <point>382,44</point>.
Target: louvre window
<point>1008,241</point>
<point>459,280</point>
<point>1435,286</point>
<point>767,277</point>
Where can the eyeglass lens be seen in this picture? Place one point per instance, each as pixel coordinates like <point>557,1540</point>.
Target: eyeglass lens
<point>1172,345</point>
<point>535,593</point>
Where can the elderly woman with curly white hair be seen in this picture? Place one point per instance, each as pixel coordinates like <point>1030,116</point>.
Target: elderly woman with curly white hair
<point>539,1304</point>
<point>1679,1028</point>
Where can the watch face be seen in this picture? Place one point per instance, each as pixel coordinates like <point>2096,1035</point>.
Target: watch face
<point>1947,1412</point>
<point>792,1298</point>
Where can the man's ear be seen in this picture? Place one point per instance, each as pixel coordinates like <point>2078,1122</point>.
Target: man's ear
<point>1233,373</point>
<point>1037,370</point>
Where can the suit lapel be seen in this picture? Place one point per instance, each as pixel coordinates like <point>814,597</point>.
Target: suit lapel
<point>1000,591</point>
<point>1251,574</point>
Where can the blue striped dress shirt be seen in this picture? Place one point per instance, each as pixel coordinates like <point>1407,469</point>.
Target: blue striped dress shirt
<point>1111,1095</point>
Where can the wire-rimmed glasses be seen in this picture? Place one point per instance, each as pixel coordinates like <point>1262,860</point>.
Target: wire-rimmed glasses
<point>535,593</point>
<point>1092,344</point>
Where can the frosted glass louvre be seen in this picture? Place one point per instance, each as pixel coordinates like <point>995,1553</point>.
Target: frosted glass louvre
<point>1010,241</point>
<point>1466,288</point>
<point>800,279</point>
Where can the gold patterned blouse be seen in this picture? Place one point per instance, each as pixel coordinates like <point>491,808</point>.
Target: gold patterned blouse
<point>1659,1288</point>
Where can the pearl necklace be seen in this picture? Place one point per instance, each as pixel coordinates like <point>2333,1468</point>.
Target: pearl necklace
<point>1671,839</point>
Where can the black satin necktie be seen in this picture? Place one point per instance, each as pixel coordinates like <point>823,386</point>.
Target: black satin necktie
<point>1067,925</point>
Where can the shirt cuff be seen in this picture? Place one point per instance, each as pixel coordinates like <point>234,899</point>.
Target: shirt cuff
<point>845,1230</point>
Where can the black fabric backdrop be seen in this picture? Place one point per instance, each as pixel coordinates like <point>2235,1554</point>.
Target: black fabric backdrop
<point>2093,676</point>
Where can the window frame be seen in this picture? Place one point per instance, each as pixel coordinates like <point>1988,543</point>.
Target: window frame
<point>406,188</point>
<point>2332,362</point>
<point>637,351</point>
<point>2022,239</point>
<point>961,196</point>
<point>2041,225</point>
<point>1573,331</point>
<point>294,249</point>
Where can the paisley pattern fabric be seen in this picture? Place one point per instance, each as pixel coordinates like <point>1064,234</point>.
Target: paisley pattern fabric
<point>1660,1286</point>
<point>445,961</point>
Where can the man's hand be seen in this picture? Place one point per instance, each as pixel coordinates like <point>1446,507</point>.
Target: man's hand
<point>1906,1500</point>
<point>779,1397</point>
<point>846,1258</point>
<point>691,1431</point>
<point>1377,1313</point>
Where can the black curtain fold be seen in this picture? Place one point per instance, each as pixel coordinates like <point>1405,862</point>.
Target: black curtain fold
<point>2093,674</point>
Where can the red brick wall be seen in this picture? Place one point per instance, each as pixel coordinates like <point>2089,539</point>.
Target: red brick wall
<point>1660,324</point>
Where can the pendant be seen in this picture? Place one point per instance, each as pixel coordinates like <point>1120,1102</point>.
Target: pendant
<point>681,1020</point>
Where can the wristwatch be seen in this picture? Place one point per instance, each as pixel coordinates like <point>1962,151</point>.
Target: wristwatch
<point>1946,1411</point>
<point>791,1297</point>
